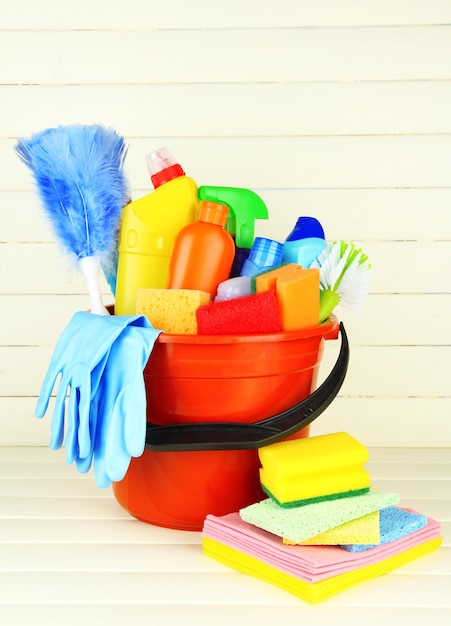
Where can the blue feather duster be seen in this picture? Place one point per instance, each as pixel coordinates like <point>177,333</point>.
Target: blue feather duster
<point>80,179</point>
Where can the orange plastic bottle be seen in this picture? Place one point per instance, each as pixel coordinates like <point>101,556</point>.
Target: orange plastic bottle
<point>203,251</point>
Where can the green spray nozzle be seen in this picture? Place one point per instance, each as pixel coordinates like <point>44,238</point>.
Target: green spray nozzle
<point>245,206</point>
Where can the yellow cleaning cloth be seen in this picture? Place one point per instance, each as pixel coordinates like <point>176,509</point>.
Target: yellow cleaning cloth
<point>313,467</point>
<point>318,591</point>
<point>363,530</point>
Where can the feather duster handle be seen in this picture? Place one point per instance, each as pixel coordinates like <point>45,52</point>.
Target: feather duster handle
<point>345,274</point>
<point>79,175</point>
<point>90,267</point>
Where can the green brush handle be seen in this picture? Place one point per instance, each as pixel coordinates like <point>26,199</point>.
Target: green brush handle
<point>328,300</point>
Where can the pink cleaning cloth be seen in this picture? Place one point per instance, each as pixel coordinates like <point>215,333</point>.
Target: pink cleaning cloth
<point>308,563</point>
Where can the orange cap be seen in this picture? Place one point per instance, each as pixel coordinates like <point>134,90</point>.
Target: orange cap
<point>213,212</point>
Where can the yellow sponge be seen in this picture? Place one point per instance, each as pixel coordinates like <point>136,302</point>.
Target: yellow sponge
<point>313,468</point>
<point>302,489</point>
<point>171,310</point>
<point>297,292</point>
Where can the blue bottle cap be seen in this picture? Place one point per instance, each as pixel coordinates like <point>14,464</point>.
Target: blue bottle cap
<point>306,227</point>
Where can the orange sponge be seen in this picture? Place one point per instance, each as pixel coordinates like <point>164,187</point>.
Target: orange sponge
<point>254,314</point>
<point>297,292</point>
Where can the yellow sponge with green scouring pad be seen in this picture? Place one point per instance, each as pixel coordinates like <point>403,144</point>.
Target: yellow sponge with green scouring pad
<point>303,471</point>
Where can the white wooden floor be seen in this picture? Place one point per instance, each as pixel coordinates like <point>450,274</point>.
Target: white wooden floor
<point>69,555</point>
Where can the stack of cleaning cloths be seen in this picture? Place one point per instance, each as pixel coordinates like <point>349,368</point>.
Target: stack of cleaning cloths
<point>323,528</point>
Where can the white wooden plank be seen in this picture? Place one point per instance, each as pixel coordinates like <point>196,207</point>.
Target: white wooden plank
<point>60,487</point>
<point>387,372</point>
<point>83,557</point>
<point>408,313</point>
<point>24,14</point>
<point>47,556</point>
<point>122,531</point>
<point>44,269</point>
<point>398,590</point>
<point>127,531</point>
<point>226,55</point>
<point>350,214</point>
<point>374,371</point>
<point>101,507</point>
<point>75,488</point>
<point>398,459</point>
<point>437,509</point>
<point>305,162</point>
<point>408,456</point>
<point>375,421</point>
<point>250,109</point>
<point>49,470</point>
<point>283,162</point>
<point>42,264</point>
<point>413,471</point>
<point>53,487</point>
<point>53,313</point>
<point>221,614</point>
<point>408,489</point>
<point>18,426</point>
<point>420,420</point>
<point>391,422</point>
<point>29,454</point>
<point>135,558</point>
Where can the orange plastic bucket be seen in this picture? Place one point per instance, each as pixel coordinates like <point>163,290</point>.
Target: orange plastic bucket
<point>196,382</point>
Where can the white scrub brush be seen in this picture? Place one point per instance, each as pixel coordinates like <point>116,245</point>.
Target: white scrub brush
<point>345,274</point>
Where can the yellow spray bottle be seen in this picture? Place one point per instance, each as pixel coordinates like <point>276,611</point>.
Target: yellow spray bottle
<point>149,227</point>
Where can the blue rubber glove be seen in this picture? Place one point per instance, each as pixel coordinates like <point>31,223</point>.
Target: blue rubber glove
<point>84,464</point>
<point>82,347</point>
<point>121,415</point>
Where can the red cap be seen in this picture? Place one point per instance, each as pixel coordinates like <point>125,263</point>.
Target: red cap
<point>167,174</point>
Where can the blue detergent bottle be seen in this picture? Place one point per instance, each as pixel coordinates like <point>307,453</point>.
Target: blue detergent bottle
<point>264,254</point>
<point>305,242</point>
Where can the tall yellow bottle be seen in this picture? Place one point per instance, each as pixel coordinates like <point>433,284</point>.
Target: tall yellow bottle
<point>149,227</point>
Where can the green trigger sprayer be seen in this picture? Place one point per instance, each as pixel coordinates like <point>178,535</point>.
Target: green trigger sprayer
<point>245,206</point>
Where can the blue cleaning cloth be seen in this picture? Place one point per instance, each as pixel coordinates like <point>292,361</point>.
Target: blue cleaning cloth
<point>394,524</point>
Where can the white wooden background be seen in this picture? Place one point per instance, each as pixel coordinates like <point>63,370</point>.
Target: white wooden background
<point>332,108</point>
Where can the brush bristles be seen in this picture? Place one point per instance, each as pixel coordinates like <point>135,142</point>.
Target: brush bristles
<point>345,270</point>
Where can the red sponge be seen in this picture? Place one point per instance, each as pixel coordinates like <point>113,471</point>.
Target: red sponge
<point>247,315</point>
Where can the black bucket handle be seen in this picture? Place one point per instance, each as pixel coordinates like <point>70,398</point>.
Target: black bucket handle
<point>245,436</point>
